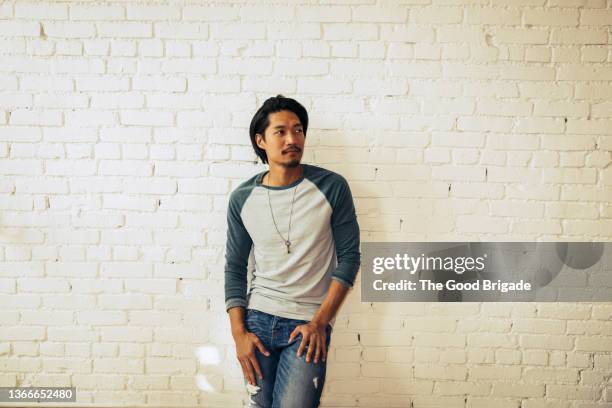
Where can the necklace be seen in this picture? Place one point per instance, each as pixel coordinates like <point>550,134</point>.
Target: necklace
<point>286,241</point>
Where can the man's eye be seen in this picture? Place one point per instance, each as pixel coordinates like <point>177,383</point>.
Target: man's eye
<point>299,130</point>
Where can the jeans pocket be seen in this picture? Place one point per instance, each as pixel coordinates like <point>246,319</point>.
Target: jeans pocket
<point>257,322</point>
<point>249,318</point>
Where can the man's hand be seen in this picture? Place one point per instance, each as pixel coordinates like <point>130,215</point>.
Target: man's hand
<point>246,344</point>
<point>313,335</point>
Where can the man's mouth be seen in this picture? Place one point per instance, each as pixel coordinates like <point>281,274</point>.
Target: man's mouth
<point>292,151</point>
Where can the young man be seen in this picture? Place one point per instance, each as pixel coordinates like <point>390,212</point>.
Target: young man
<point>298,222</point>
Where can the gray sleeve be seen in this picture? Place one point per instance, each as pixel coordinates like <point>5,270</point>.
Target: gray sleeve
<point>345,230</point>
<point>238,248</point>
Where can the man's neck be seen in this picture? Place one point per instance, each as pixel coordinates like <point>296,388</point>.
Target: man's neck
<point>279,176</point>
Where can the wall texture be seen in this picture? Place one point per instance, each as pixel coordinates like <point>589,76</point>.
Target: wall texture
<point>123,129</point>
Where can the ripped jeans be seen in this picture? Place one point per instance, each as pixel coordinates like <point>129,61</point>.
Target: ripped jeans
<point>288,381</point>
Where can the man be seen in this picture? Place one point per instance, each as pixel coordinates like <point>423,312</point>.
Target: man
<point>297,221</point>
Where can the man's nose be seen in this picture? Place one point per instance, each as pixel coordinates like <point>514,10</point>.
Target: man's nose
<point>292,137</point>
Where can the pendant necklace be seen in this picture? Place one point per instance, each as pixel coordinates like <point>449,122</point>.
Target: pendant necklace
<point>286,241</point>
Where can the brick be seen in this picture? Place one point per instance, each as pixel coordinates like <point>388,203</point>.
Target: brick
<point>324,86</point>
<point>123,49</point>
<point>299,31</point>
<point>182,30</point>
<point>96,12</point>
<point>436,15</point>
<point>189,65</point>
<point>20,167</point>
<point>568,175</point>
<point>118,101</point>
<point>156,83</point>
<point>594,343</point>
<point>568,36</point>
<point>183,202</point>
<point>440,372</point>
<point>90,117</point>
<point>108,83</point>
<point>162,286</point>
<point>324,14</point>
<point>517,390</point>
<point>187,335</point>
<point>210,13</point>
<point>492,16</point>
<point>494,373</point>
<point>127,302</point>
<point>492,340</point>
<point>461,388</point>
<point>462,173</point>
<point>480,223</point>
<point>154,318</point>
<point>380,14</point>
<point>150,186</point>
<point>484,124</point>
<point>6,10</point>
<point>44,318</point>
<point>451,34</point>
<point>439,340</point>
<point>517,209</point>
<point>102,382</point>
<point>239,66</point>
<point>399,33</point>
<point>118,365</point>
<point>339,32</point>
<point>125,30</point>
<point>22,333</point>
<point>547,342</point>
<point>151,12</point>
<point>74,30</point>
<point>125,168</point>
<point>19,29</point>
<point>147,118</point>
<point>595,17</point>
<point>185,170</point>
<point>471,190</point>
<point>38,118</point>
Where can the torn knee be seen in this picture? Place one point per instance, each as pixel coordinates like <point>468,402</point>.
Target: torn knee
<point>252,390</point>
<point>315,381</point>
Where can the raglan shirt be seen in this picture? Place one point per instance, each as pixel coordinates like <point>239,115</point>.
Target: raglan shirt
<point>324,237</point>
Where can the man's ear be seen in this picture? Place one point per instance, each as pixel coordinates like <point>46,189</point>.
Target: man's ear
<point>261,142</point>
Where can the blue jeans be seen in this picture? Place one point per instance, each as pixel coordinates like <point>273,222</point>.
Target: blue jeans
<point>288,381</point>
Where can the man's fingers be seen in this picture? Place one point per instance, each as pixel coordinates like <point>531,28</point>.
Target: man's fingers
<point>255,364</point>
<point>311,346</point>
<point>294,333</point>
<point>324,348</point>
<point>320,345</point>
<point>301,347</point>
<point>251,373</point>
<point>248,372</point>
<point>243,369</point>
<point>261,347</point>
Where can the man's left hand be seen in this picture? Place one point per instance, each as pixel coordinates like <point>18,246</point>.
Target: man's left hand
<point>314,336</point>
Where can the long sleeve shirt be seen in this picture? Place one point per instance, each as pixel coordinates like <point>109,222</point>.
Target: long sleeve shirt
<point>324,237</point>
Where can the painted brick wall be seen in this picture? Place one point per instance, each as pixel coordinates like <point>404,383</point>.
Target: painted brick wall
<point>123,129</point>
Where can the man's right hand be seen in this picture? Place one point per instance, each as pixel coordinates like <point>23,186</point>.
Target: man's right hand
<point>246,344</point>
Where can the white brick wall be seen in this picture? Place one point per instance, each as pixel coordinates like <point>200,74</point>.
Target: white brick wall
<point>124,126</point>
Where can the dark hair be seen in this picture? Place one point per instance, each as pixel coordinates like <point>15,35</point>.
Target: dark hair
<point>261,121</point>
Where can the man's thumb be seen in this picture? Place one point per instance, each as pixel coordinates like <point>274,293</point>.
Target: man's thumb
<point>262,349</point>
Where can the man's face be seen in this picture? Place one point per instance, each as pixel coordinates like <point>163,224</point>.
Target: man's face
<point>284,141</point>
